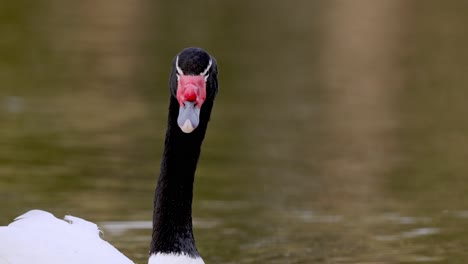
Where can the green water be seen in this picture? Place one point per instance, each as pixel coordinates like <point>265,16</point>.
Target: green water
<point>339,134</point>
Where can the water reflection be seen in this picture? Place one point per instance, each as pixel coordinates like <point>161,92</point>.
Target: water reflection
<point>338,135</point>
<point>13,104</point>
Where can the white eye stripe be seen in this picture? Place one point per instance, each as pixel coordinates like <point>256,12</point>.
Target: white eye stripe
<point>179,70</point>
<point>207,69</point>
<point>204,73</point>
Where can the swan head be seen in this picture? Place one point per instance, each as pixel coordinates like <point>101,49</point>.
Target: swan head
<point>193,81</point>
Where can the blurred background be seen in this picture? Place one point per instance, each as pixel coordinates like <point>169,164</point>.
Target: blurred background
<point>339,134</point>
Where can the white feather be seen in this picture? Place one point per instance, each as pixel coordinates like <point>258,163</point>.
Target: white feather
<point>39,237</point>
<point>206,70</point>
<point>179,70</point>
<point>161,258</point>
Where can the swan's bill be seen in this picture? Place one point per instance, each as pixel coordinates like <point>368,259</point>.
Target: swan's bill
<point>187,127</point>
<point>189,117</point>
<point>170,258</point>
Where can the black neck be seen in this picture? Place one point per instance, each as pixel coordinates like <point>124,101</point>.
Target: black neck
<point>172,218</point>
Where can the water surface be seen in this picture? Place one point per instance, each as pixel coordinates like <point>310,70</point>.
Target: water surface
<point>338,136</point>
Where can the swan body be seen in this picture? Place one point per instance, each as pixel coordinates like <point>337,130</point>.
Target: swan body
<point>34,235</point>
<point>39,237</point>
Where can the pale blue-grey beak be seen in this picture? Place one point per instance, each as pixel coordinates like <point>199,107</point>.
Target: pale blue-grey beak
<point>189,117</point>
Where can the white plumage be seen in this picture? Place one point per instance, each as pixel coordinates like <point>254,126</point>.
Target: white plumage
<point>172,258</point>
<point>39,237</point>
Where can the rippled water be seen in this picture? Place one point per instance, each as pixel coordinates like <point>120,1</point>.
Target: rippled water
<point>339,134</point>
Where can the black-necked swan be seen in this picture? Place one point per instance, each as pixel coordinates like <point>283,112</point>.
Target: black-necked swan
<point>39,237</point>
